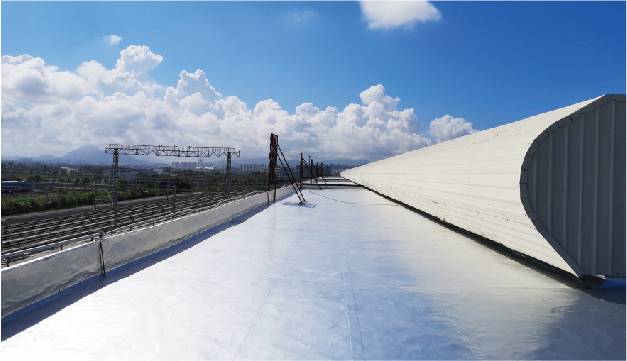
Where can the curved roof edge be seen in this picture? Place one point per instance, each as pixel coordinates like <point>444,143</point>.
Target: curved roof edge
<point>603,256</point>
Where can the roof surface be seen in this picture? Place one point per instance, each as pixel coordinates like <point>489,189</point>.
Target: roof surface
<point>351,275</point>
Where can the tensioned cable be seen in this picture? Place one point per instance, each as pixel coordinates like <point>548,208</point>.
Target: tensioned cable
<point>290,176</point>
<point>360,204</point>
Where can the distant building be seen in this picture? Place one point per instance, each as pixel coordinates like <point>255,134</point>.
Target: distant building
<point>9,187</point>
<point>184,165</point>
<point>206,168</point>
<point>198,166</point>
<point>251,168</point>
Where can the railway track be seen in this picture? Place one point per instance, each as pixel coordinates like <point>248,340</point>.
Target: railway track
<point>23,240</point>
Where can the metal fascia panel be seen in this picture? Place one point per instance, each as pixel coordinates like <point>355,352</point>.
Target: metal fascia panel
<point>474,182</point>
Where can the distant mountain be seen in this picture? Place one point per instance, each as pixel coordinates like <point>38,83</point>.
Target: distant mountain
<point>294,162</point>
<point>88,155</point>
<point>347,162</point>
<point>46,158</point>
<point>92,155</point>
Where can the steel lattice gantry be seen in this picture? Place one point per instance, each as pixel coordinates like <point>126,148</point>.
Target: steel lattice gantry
<point>166,151</point>
<point>172,150</point>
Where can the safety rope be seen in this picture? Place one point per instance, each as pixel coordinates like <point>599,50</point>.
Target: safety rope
<point>290,176</point>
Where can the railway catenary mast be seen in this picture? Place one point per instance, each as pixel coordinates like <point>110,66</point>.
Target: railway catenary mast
<point>167,151</point>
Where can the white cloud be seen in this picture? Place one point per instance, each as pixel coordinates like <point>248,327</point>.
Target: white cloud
<point>112,39</point>
<point>190,84</point>
<point>393,14</point>
<point>448,127</point>
<point>138,59</point>
<point>300,16</point>
<point>29,80</point>
<point>376,95</point>
<point>47,110</point>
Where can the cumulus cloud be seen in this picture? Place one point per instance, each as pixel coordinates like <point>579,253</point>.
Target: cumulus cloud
<point>29,80</point>
<point>138,59</point>
<point>448,127</point>
<point>112,39</point>
<point>49,110</point>
<point>393,14</point>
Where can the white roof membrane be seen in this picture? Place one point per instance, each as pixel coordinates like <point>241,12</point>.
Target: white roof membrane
<point>349,276</point>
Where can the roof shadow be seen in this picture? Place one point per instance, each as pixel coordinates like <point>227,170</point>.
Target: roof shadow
<point>594,286</point>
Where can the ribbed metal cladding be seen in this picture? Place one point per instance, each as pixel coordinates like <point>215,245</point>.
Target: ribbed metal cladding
<point>573,186</point>
<point>551,186</point>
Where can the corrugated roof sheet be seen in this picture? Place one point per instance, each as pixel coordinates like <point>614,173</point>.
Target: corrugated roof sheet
<point>474,182</point>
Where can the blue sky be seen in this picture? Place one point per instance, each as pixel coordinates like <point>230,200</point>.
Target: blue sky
<point>490,63</point>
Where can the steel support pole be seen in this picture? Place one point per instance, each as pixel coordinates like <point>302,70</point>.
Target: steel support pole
<point>272,163</point>
<point>174,199</point>
<point>276,150</point>
<point>208,178</point>
<point>116,158</point>
<point>93,214</point>
<point>227,186</point>
<point>302,165</point>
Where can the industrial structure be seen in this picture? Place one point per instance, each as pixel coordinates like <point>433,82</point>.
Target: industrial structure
<point>168,151</point>
<point>551,186</point>
<point>275,157</point>
<point>30,236</point>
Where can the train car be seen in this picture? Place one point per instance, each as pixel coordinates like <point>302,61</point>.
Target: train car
<point>11,187</point>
